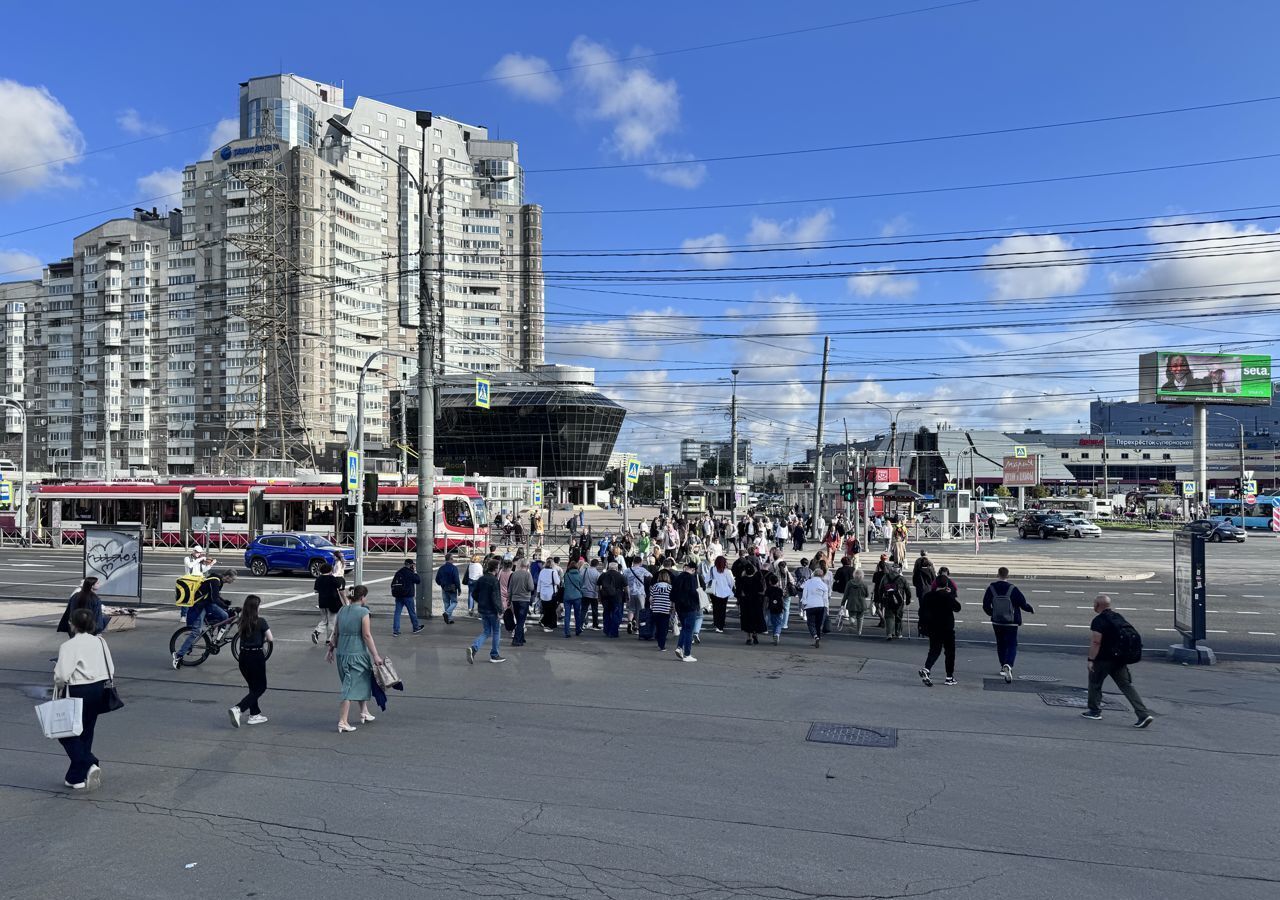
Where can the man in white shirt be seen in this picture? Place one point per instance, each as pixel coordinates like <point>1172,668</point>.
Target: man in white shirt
<point>549,580</point>
<point>815,596</point>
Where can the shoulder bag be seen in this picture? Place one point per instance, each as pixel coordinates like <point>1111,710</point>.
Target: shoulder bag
<point>110,697</point>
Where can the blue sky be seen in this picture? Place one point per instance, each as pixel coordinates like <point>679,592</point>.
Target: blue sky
<point>981,354</point>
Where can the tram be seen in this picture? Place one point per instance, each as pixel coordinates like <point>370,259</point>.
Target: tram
<point>229,513</point>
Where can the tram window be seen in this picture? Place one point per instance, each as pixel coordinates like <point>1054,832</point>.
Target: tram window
<point>458,513</point>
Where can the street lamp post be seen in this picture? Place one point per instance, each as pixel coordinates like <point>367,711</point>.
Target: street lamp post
<point>1106,481</point>
<point>426,536</point>
<point>22,488</point>
<point>893,427</point>
<point>364,370</point>
<point>1242,479</point>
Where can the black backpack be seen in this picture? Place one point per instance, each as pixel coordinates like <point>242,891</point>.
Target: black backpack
<point>1128,643</point>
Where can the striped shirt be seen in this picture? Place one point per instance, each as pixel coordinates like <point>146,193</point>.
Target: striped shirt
<point>660,598</point>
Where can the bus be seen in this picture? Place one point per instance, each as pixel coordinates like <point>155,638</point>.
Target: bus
<point>1087,507</point>
<point>1256,515</point>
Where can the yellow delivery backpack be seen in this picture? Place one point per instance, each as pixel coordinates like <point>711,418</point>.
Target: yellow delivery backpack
<point>190,590</point>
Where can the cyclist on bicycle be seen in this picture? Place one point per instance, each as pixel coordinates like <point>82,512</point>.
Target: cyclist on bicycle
<point>210,606</point>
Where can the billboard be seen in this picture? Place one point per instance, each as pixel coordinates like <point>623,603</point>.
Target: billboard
<point>1021,471</point>
<point>1179,376</point>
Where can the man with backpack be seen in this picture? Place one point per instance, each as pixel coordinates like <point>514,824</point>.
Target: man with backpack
<point>404,584</point>
<point>893,594</point>
<point>1114,645</point>
<point>1005,604</point>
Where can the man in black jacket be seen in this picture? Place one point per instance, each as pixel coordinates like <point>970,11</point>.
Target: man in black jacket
<point>688,607</point>
<point>922,574</point>
<point>938,608</point>
<point>488,596</point>
<point>613,591</point>
<point>328,588</point>
<point>404,585</point>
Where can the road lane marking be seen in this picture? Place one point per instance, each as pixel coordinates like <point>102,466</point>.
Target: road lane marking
<point>1084,607</point>
<point>1049,606</point>
<point>313,593</point>
<point>1143,594</point>
<point>1162,610</point>
<point>1214,631</point>
<point>1254,596</point>
<point>1263,633</point>
<point>1126,608</point>
<point>1247,612</point>
<point>1075,626</point>
<point>1073,592</point>
<point>1034,591</point>
<point>1167,629</point>
<point>1036,624</point>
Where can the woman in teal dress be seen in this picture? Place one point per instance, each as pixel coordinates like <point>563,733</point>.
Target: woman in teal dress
<point>352,645</point>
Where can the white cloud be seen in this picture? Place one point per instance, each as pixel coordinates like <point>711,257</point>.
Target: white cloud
<point>131,122</point>
<point>642,109</point>
<point>226,130</point>
<point>717,257</point>
<point>880,282</point>
<point>18,265</point>
<point>801,230</point>
<point>162,185</point>
<point>1186,271</point>
<point>529,77</point>
<point>38,138</point>
<point>899,224</point>
<point>1037,279</point>
<point>629,338</point>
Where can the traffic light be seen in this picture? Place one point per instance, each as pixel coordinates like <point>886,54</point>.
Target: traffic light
<point>849,491</point>
<point>370,488</point>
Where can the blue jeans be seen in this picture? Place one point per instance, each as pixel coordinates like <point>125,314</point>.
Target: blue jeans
<point>213,612</point>
<point>574,608</point>
<point>450,603</point>
<point>405,603</point>
<point>520,608</point>
<point>492,630</point>
<point>688,623</point>
<point>777,622</point>
<point>612,616</point>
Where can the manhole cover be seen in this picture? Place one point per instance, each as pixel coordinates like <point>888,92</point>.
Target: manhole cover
<point>1044,679</point>
<point>1072,702</point>
<point>852,735</point>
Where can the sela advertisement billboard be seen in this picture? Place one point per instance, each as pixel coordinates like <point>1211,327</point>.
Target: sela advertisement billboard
<point>1188,376</point>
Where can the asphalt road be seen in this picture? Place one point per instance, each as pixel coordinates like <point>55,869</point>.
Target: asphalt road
<point>597,770</point>
<point>1243,594</point>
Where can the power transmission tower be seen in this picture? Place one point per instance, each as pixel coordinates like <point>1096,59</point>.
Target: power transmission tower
<point>266,415</point>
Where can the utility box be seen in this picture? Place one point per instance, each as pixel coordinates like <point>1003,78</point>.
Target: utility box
<point>956,508</point>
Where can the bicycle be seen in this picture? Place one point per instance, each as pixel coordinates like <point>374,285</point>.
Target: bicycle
<point>213,637</point>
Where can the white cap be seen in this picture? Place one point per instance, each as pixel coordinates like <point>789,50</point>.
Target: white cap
<point>197,549</point>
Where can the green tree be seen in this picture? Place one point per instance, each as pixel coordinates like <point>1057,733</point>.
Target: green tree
<point>1002,492</point>
<point>1165,487</point>
<point>716,467</point>
<point>1039,492</point>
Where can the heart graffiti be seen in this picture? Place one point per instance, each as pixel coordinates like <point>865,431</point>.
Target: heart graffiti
<point>110,555</point>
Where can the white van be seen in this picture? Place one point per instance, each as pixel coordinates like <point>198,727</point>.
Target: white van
<point>993,509</point>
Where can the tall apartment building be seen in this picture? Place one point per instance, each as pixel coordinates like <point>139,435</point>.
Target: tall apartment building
<point>20,302</point>
<point>228,337</point>
<point>698,452</point>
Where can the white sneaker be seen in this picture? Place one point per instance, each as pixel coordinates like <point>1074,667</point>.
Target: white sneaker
<point>94,778</point>
<point>235,714</point>
<point>679,653</point>
<point>1008,674</point>
<point>176,661</point>
<point>257,720</point>
<point>690,659</point>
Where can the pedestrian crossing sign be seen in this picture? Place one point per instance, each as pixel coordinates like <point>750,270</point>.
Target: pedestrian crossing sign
<point>633,471</point>
<point>1188,488</point>
<point>353,470</point>
<point>6,493</point>
<point>1250,487</point>
<point>483,387</point>
<point>537,493</point>
<point>1019,452</point>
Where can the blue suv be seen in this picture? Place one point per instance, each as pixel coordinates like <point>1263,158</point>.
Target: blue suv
<point>293,551</point>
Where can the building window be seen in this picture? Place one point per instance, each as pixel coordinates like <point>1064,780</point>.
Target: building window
<point>364,129</point>
<point>382,117</point>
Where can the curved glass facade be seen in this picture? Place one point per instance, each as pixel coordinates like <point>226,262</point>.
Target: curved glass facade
<point>293,122</point>
<point>562,433</point>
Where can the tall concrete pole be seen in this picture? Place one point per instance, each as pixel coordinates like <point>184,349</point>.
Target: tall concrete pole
<point>817,462</point>
<point>1201,452</point>
<point>733,448</point>
<point>426,539</point>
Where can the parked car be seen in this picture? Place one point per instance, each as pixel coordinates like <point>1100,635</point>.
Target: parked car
<point>293,552</point>
<point>1082,527</point>
<point>1044,524</point>
<point>1216,531</point>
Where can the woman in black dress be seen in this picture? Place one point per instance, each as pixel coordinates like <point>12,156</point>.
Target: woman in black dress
<point>751,602</point>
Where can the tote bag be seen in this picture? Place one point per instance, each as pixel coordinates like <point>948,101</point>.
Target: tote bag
<point>61,717</point>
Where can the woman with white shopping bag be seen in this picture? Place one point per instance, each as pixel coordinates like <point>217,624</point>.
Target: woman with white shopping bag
<point>85,670</point>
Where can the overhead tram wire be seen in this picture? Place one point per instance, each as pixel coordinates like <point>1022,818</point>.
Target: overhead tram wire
<point>900,142</point>
<point>1023,182</point>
